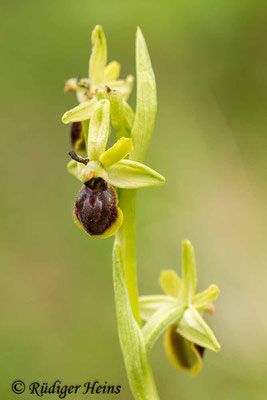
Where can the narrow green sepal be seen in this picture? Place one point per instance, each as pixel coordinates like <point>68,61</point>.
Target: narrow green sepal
<point>150,304</point>
<point>193,328</point>
<point>99,128</point>
<point>121,149</point>
<point>127,174</point>
<point>117,113</point>
<point>98,57</point>
<point>112,72</point>
<point>129,116</point>
<point>189,271</point>
<point>146,105</point>
<point>170,282</point>
<point>81,112</point>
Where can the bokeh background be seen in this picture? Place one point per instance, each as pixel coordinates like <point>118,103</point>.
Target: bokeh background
<point>56,295</point>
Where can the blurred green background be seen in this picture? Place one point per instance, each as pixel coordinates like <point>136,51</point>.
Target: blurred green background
<point>56,295</point>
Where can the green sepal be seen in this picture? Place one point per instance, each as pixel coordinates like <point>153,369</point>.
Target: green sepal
<point>123,86</point>
<point>99,128</point>
<point>189,271</point>
<point>112,72</point>
<point>129,115</point>
<point>170,282</point>
<point>203,299</point>
<point>117,113</point>
<point>193,328</point>
<point>150,304</point>
<point>183,354</point>
<point>146,105</point>
<point>121,149</point>
<point>127,174</point>
<point>160,321</point>
<point>81,112</point>
<point>98,59</point>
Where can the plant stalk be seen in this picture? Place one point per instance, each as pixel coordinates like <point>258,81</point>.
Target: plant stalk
<point>127,239</point>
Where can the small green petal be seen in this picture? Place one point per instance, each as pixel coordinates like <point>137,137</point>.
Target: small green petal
<point>128,174</point>
<point>170,282</point>
<point>121,149</point>
<point>98,57</point>
<point>206,297</point>
<point>99,130</point>
<point>182,354</point>
<point>189,271</point>
<point>112,72</point>
<point>193,328</point>
<point>146,106</point>
<point>124,87</point>
<point>80,113</point>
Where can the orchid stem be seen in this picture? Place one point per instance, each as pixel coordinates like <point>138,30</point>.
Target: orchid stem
<point>127,239</point>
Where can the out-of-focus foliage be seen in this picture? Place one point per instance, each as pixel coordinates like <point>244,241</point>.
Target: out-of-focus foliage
<point>210,62</point>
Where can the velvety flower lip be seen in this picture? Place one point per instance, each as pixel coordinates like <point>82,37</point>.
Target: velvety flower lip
<point>96,208</point>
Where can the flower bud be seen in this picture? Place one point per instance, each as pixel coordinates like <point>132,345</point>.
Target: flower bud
<point>96,208</point>
<point>76,136</point>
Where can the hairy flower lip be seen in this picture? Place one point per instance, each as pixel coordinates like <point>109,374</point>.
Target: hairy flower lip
<point>96,208</point>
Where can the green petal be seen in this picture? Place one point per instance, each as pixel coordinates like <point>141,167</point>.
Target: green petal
<point>121,149</point>
<point>193,328</point>
<point>170,282</point>
<point>182,354</point>
<point>98,57</point>
<point>80,113</point>
<point>189,271</point>
<point>123,86</point>
<point>150,304</point>
<point>99,130</point>
<point>128,174</point>
<point>112,72</point>
<point>206,297</point>
<point>146,106</point>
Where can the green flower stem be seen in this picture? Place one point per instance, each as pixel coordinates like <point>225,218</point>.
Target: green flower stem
<point>127,239</point>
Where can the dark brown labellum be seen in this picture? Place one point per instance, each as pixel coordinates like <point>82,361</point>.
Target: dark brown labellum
<point>96,206</point>
<point>76,136</point>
